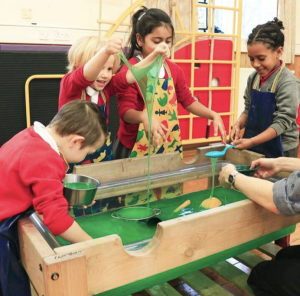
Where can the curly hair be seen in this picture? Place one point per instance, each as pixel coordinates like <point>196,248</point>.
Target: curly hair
<point>269,34</point>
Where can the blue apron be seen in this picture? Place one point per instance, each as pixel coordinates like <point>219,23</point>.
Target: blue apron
<point>260,117</point>
<point>105,152</point>
<point>13,277</point>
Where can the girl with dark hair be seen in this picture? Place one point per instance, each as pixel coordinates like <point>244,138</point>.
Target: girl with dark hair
<point>151,27</point>
<point>271,99</point>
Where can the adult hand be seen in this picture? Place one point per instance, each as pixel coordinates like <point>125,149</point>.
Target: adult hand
<point>267,167</point>
<point>224,175</point>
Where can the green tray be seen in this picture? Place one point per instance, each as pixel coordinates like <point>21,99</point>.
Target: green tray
<point>245,169</point>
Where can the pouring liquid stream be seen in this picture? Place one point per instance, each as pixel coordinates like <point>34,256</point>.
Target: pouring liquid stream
<point>214,155</point>
<point>146,79</point>
<point>213,168</point>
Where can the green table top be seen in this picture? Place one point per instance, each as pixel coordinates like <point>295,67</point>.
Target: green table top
<point>103,224</point>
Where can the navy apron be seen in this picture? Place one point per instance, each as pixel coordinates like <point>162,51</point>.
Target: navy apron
<point>260,117</point>
<point>13,277</point>
<point>105,152</point>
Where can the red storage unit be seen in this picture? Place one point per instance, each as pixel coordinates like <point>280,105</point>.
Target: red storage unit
<point>222,72</point>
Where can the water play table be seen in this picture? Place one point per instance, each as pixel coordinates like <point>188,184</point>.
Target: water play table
<point>180,245</point>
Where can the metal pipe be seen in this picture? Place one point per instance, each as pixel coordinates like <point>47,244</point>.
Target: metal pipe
<point>134,181</point>
<point>44,231</point>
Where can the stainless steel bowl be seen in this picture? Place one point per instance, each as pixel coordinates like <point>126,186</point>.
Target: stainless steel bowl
<point>78,194</point>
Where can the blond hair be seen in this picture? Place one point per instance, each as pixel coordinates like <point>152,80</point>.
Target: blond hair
<point>85,49</point>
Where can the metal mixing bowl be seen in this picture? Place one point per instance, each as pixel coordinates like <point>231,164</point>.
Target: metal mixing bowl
<point>80,190</point>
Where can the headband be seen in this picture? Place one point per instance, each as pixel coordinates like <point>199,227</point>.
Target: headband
<point>141,15</point>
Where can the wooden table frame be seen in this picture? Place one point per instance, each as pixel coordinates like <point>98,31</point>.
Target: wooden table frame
<point>102,264</point>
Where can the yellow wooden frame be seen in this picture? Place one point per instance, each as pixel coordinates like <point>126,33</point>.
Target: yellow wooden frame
<point>27,98</point>
<point>192,35</point>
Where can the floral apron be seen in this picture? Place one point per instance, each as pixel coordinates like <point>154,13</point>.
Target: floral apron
<point>165,109</point>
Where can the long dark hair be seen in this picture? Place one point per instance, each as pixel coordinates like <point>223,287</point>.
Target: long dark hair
<point>269,33</point>
<point>144,21</point>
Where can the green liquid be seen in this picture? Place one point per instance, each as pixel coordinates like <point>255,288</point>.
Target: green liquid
<point>79,185</point>
<point>146,78</point>
<point>149,106</point>
<point>213,168</point>
<point>149,153</point>
<point>135,213</point>
<point>102,224</point>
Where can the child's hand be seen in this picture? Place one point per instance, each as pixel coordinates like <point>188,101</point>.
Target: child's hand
<point>157,131</point>
<point>219,125</point>
<point>93,202</point>
<point>163,49</point>
<point>114,45</point>
<point>243,143</point>
<point>238,126</point>
<point>84,207</point>
<point>235,133</point>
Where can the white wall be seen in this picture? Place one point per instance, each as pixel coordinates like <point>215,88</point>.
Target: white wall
<point>55,21</point>
<point>64,21</point>
<point>244,74</point>
<point>297,49</point>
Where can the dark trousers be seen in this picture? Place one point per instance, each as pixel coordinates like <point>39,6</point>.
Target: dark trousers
<point>13,278</point>
<point>278,277</point>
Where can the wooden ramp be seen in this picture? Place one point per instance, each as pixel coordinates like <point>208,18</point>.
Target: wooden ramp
<point>228,278</point>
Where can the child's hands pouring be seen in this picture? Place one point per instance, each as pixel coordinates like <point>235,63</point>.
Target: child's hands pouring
<point>163,49</point>
<point>114,45</point>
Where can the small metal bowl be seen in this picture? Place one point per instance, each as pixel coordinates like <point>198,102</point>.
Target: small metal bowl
<point>80,190</point>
